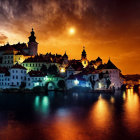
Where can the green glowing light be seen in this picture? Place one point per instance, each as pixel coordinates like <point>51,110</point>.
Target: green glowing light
<point>45,104</point>
<point>36,84</point>
<point>37,99</point>
<point>46,78</point>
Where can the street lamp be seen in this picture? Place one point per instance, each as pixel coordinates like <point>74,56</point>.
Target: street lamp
<point>76,82</point>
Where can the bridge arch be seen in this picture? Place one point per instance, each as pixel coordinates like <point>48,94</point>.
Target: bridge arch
<point>50,86</point>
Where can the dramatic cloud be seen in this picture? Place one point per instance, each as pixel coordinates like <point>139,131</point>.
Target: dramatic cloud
<point>105,27</point>
<point>3,38</point>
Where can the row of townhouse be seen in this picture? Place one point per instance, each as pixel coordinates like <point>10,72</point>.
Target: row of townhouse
<point>108,71</point>
<point>17,75</point>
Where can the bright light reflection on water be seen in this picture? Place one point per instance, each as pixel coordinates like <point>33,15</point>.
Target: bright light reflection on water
<point>101,114</point>
<point>72,116</point>
<point>132,110</point>
<point>41,104</point>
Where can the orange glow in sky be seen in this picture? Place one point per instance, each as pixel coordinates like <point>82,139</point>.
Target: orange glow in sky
<point>108,29</point>
<point>72,31</point>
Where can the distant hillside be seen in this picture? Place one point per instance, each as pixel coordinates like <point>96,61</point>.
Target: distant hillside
<point>134,77</point>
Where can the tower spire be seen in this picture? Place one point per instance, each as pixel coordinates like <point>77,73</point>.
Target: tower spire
<point>32,38</point>
<point>84,55</point>
<point>32,44</point>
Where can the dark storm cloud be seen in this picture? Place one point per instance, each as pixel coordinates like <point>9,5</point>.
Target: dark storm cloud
<point>106,27</point>
<point>94,17</point>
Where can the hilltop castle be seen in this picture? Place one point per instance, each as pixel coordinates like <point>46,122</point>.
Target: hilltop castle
<point>20,63</point>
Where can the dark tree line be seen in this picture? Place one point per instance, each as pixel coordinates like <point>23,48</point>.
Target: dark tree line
<point>52,70</point>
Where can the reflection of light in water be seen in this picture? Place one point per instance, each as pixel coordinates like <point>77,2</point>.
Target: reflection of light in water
<point>75,95</point>
<point>112,100</point>
<point>62,112</point>
<point>65,127</point>
<point>100,114</point>
<point>132,110</point>
<point>124,96</point>
<point>100,97</point>
<point>41,104</point>
<point>37,98</point>
<point>45,104</point>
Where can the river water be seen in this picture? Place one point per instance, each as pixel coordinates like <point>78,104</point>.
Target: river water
<point>73,116</point>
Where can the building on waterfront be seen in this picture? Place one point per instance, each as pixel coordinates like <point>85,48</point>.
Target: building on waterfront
<point>17,53</point>
<point>20,63</point>
<point>77,81</point>
<point>17,76</point>
<point>12,78</point>
<point>114,74</point>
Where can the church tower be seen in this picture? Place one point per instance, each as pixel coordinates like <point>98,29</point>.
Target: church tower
<point>84,58</point>
<point>32,44</point>
<point>65,59</point>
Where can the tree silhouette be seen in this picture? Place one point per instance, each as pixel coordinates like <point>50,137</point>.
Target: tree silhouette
<point>53,70</point>
<point>101,75</point>
<point>108,82</point>
<point>44,69</point>
<point>92,82</point>
<point>23,85</point>
<point>61,84</point>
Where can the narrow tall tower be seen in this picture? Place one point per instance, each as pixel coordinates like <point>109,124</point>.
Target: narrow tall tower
<point>84,54</point>
<point>84,58</point>
<point>65,59</point>
<point>32,44</point>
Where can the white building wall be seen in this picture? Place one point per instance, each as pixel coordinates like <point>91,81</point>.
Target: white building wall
<point>71,84</point>
<point>114,75</point>
<point>17,76</point>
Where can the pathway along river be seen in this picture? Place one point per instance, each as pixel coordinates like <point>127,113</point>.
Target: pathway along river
<point>75,116</point>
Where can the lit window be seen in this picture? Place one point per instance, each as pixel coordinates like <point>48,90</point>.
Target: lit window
<point>76,82</point>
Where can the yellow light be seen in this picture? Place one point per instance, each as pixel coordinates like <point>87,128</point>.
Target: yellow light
<point>100,85</point>
<point>76,82</point>
<point>112,100</point>
<point>62,70</point>
<point>72,31</point>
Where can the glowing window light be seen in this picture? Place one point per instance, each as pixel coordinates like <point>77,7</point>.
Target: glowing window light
<point>76,82</point>
<point>36,84</point>
<point>46,78</point>
<point>62,70</point>
<point>100,85</point>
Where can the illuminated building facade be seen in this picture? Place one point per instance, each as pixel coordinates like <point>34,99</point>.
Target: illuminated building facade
<point>114,74</point>
<point>84,58</point>
<point>25,65</point>
<point>17,53</point>
<point>12,78</point>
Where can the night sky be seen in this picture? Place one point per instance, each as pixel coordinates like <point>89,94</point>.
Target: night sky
<point>107,28</point>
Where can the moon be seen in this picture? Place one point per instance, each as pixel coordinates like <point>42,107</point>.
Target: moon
<point>72,31</point>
